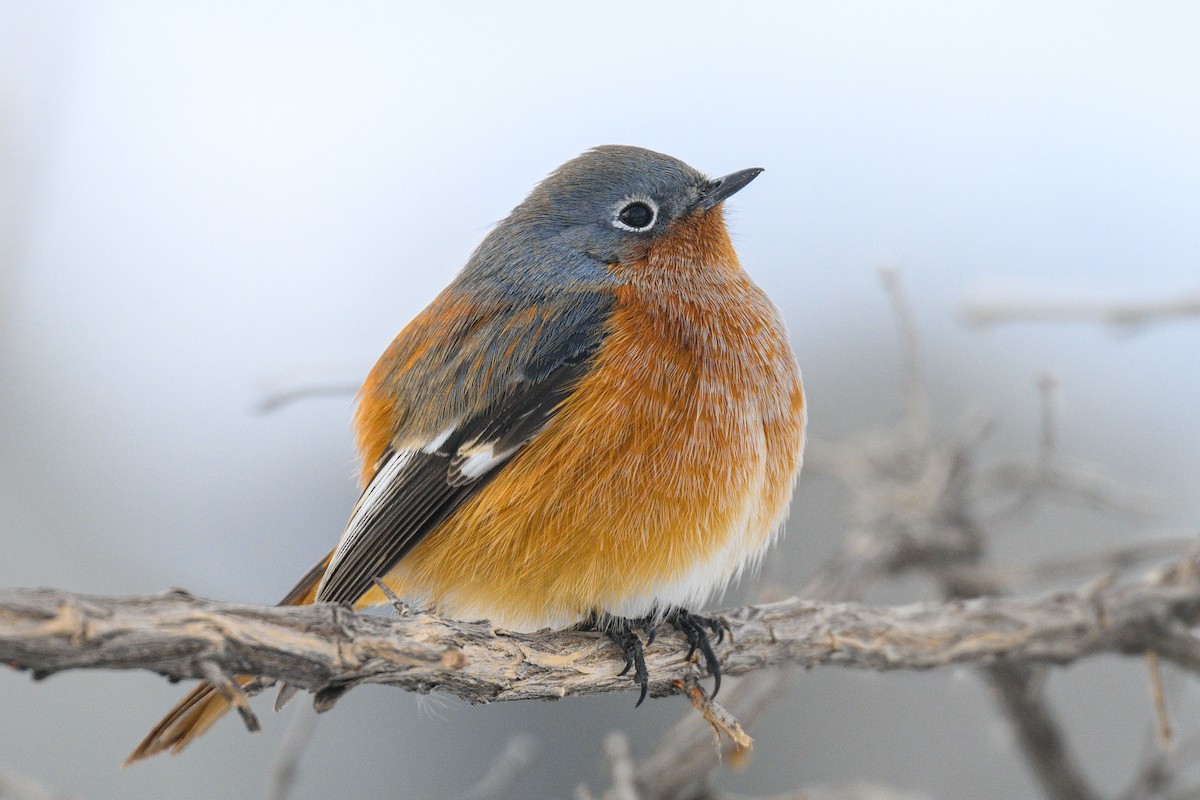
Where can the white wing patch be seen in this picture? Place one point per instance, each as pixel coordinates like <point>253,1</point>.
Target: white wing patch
<point>439,440</point>
<point>468,464</point>
<point>379,489</point>
<point>479,461</point>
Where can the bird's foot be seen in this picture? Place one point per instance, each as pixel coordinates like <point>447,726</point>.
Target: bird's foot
<point>623,631</point>
<point>694,627</point>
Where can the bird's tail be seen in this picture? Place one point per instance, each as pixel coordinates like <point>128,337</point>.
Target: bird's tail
<point>204,705</point>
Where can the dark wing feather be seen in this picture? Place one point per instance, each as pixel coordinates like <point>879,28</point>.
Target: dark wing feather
<point>413,491</point>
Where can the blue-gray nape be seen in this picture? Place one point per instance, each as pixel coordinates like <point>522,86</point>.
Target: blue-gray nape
<point>603,207</point>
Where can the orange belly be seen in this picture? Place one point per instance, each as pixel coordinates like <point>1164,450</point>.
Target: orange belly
<point>662,477</point>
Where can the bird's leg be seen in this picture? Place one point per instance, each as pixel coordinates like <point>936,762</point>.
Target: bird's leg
<point>623,631</point>
<point>696,629</point>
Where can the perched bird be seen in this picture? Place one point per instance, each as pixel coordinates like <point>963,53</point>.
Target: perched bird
<point>599,421</point>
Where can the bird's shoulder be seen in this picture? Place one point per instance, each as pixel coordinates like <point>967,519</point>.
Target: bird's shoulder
<point>471,354</point>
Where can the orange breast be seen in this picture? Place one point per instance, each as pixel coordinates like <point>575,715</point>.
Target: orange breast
<point>661,477</point>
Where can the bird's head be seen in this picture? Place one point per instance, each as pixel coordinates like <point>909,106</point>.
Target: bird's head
<point>617,203</point>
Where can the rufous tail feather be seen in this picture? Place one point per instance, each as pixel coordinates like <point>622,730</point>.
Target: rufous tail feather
<point>204,705</point>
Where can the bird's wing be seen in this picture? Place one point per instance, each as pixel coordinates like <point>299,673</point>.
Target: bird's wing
<point>417,485</point>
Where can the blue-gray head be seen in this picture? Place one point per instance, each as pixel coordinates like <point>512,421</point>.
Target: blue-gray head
<point>613,200</point>
<point>607,206</point>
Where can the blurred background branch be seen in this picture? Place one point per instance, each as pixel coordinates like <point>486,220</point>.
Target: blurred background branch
<point>1126,314</point>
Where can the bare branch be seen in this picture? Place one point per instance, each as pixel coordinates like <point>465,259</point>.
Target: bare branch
<point>15,786</point>
<point>329,649</point>
<point>276,399</point>
<point>1161,771</point>
<point>850,791</point>
<point>516,757</point>
<point>1075,566</point>
<point>296,737</point>
<point>306,383</point>
<point>620,762</point>
<point>232,692</point>
<point>912,387</point>
<point>680,765</point>
<point>1069,480</point>
<point>1159,696</point>
<point>1117,313</point>
<point>926,518</point>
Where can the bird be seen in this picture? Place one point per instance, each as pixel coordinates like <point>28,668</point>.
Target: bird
<point>599,422</point>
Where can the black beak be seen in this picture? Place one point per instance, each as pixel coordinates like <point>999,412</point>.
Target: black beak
<point>718,189</point>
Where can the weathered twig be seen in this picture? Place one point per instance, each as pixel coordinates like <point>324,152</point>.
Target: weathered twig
<point>914,503</point>
<point>278,398</point>
<point>720,721</point>
<point>620,764</point>
<point>1118,313</point>
<point>680,765</point>
<point>1073,481</point>
<point>912,385</point>
<point>1161,770</point>
<point>1159,696</point>
<point>307,383</point>
<point>291,750</point>
<point>1075,566</point>
<point>16,786</point>
<point>328,648</point>
<point>849,791</point>
<point>518,755</point>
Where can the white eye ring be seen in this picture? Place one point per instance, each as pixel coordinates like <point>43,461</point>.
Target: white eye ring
<point>624,206</point>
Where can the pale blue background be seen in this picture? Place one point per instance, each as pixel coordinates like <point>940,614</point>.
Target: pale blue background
<point>198,199</point>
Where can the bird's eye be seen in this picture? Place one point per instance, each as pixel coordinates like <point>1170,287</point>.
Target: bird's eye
<point>636,216</point>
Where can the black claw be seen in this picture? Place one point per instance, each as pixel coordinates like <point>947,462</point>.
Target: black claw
<point>649,628</point>
<point>622,631</point>
<point>693,627</point>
